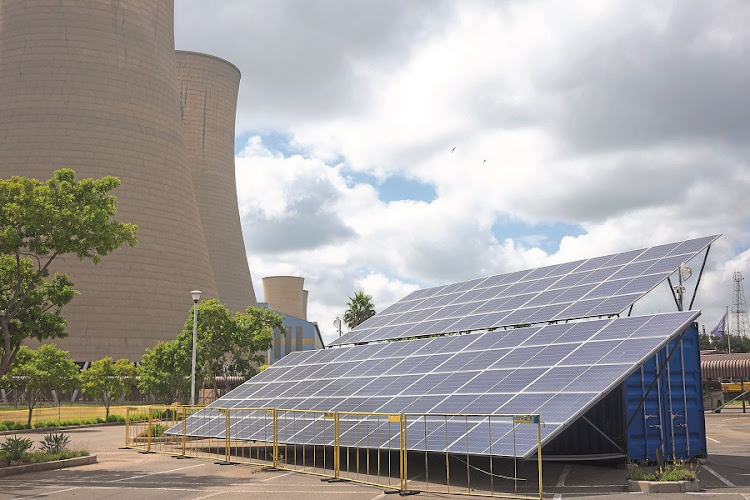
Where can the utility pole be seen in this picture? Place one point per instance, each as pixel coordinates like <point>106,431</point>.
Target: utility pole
<point>740,322</point>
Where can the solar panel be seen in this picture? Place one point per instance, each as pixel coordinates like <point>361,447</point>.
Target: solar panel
<point>558,371</point>
<point>600,286</point>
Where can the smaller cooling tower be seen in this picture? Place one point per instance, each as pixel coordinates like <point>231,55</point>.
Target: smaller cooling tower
<point>285,295</point>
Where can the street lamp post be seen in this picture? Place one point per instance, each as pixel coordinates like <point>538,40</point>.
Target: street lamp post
<point>337,324</point>
<point>196,294</point>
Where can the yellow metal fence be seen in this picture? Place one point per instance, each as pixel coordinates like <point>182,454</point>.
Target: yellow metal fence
<point>340,446</point>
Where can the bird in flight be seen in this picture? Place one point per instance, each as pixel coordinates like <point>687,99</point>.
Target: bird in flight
<point>454,148</point>
<point>483,161</point>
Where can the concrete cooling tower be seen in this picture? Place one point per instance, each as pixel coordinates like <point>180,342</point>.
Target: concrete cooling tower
<point>93,86</point>
<point>285,295</point>
<point>208,104</point>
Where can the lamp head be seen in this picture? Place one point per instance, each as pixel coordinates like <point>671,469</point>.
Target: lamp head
<point>196,294</point>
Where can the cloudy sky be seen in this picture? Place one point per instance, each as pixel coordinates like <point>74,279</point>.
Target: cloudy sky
<point>579,130</point>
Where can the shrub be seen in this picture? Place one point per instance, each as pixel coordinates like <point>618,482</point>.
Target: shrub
<point>116,418</point>
<point>156,430</point>
<point>10,425</point>
<point>41,456</point>
<point>14,448</point>
<point>55,443</point>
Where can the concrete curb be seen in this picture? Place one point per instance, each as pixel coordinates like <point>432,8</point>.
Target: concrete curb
<point>56,464</point>
<point>663,486</point>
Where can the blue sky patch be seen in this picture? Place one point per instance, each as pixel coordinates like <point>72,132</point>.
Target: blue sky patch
<point>396,188</point>
<point>546,236</point>
<point>275,142</point>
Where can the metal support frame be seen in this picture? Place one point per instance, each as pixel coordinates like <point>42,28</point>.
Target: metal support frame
<point>597,429</point>
<point>674,295</point>
<point>700,275</point>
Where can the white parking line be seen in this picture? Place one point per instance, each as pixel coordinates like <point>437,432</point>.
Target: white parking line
<point>563,475</point>
<point>719,476</point>
<point>52,492</point>
<point>276,477</point>
<point>714,440</point>
<point>155,473</point>
<point>210,495</point>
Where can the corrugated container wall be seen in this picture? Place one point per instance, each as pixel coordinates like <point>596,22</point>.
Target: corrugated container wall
<point>671,416</point>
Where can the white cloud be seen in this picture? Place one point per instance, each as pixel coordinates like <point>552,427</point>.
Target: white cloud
<point>624,120</point>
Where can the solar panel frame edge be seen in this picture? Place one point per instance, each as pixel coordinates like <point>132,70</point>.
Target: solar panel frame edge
<point>508,279</point>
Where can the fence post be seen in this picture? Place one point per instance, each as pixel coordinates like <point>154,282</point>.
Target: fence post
<point>402,452</point>
<point>184,429</point>
<point>336,446</point>
<point>148,432</point>
<point>227,440</point>
<point>275,439</point>
<point>127,426</point>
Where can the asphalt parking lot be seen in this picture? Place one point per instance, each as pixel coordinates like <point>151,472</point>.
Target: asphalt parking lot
<point>122,473</point>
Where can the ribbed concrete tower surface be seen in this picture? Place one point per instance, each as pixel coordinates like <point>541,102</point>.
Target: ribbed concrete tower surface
<point>92,85</point>
<point>285,295</point>
<point>208,104</point>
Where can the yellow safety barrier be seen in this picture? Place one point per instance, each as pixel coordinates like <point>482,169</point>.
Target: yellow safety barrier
<point>371,448</point>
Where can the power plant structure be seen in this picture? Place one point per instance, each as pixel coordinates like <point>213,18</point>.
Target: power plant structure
<point>97,87</point>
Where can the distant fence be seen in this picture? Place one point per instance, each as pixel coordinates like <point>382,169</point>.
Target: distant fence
<point>340,446</point>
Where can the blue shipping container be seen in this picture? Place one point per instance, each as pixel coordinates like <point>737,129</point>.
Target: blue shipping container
<point>671,416</point>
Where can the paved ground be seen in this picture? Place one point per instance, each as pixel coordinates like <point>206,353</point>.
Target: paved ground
<point>128,474</point>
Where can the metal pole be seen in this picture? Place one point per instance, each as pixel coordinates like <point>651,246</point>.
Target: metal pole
<point>684,402</point>
<point>742,388</point>
<point>195,336</point>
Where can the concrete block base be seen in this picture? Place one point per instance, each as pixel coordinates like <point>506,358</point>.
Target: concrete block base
<point>56,464</point>
<point>663,486</point>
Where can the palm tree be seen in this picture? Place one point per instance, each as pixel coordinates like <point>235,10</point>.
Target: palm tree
<point>358,309</point>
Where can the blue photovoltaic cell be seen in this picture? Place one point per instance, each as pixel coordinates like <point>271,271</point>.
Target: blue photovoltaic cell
<point>600,286</point>
<point>558,371</point>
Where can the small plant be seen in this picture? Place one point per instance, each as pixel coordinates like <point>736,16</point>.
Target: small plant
<point>677,471</point>
<point>638,473</point>
<point>55,443</point>
<point>674,471</point>
<point>158,430</point>
<point>14,448</point>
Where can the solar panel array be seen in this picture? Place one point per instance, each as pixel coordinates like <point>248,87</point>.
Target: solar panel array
<point>601,286</point>
<point>558,371</point>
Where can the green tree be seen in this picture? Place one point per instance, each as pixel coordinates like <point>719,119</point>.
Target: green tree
<point>738,343</point>
<point>108,380</point>
<point>358,309</point>
<point>46,369</point>
<point>39,222</point>
<point>227,342</point>
<point>165,372</point>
